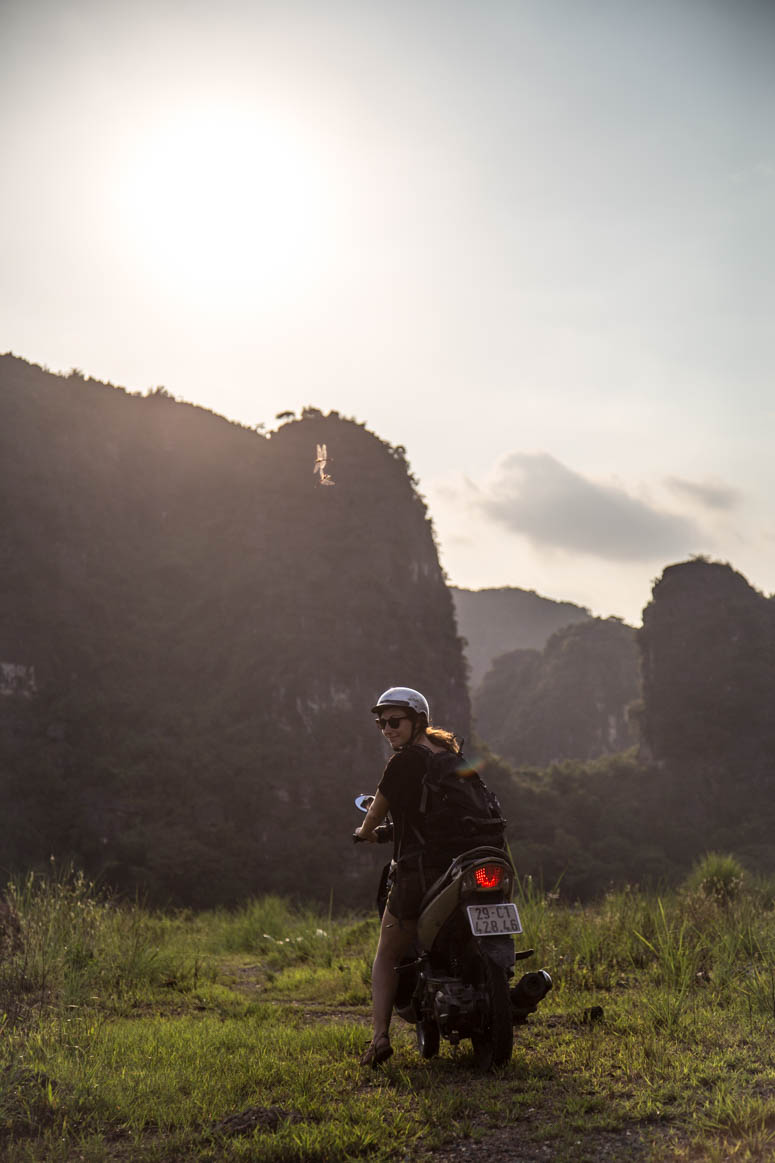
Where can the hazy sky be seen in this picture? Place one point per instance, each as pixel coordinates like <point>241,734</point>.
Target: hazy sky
<point>531,240</point>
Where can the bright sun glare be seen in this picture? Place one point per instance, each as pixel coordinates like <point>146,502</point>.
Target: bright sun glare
<point>228,203</point>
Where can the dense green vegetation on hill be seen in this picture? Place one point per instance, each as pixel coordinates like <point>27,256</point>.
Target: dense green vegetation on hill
<point>708,658</point>
<point>208,627</point>
<point>570,701</point>
<point>579,828</point>
<point>708,650</point>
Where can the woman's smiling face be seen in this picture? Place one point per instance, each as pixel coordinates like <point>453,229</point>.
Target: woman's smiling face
<point>399,735</point>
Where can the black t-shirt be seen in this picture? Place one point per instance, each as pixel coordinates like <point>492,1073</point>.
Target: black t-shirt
<point>401,785</point>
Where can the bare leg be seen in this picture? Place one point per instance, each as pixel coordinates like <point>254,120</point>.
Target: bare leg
<point>394,942</point>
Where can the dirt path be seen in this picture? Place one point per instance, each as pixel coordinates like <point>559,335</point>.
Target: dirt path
<point>518,1144</point>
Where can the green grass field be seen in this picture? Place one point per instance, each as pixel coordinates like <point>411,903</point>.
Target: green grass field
<point>131,1035</point>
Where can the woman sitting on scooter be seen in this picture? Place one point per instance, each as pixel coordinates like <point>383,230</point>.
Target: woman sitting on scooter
<point>404,718</point>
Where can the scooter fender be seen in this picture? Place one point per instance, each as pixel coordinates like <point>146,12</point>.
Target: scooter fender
<point>500,950</point>
<point>437,913</point>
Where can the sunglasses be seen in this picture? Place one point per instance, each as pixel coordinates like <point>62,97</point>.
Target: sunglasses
<point>393,722</point>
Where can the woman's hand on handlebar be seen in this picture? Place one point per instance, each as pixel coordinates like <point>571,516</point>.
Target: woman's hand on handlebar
<point>380,835</point>
<point>370,831</point>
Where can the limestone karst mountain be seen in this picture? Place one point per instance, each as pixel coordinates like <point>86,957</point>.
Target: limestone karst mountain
<point>192,631</point>
<point>572,700</point>
<point>708,649</point>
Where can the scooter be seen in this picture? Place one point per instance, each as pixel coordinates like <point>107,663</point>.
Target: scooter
<point>457,982</point>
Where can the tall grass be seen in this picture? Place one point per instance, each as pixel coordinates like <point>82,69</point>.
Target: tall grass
<point>119,1022</point>
<point>79,946</point>
<point>703,935</point>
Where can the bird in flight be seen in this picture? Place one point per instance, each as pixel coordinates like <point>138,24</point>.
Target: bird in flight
<point>321,459</point>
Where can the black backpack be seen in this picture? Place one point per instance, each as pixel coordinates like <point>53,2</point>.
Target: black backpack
<point>457,809</point>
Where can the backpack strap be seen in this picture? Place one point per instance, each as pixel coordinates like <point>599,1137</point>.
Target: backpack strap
<point>428,782</point>
<point>428,756</point>
<point>418,853</point>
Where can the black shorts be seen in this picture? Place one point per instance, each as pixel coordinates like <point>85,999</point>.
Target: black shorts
<point>409,887</point>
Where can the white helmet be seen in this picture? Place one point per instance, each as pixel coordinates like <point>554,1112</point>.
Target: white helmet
<point>403,696</point>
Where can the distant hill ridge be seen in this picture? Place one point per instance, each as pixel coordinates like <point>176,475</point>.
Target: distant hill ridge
<point>494,621</point>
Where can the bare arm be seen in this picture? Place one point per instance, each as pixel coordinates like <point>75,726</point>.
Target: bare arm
<point>375,815</point>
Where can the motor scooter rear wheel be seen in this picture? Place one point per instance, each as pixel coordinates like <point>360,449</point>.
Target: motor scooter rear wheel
<point>427,1039</point>
<point>494,1040</point>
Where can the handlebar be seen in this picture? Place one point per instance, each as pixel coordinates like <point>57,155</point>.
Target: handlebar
<point>384,834</point>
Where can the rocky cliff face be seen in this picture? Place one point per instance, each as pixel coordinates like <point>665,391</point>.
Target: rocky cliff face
<point>207,625</point>
<point>708,647</point>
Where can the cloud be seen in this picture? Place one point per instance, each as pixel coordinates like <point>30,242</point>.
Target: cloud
<point>536,496</point>
<point>710,495</point>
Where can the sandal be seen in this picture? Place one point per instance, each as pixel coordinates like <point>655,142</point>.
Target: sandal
<point>378,1051</point>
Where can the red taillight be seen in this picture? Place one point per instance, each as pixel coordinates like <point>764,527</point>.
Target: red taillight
<point>488,875</point>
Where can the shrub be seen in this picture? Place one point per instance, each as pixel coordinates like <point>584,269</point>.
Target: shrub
<point>718,876</point>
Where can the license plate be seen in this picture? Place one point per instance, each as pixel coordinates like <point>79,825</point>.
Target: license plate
<point>494,920</point>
